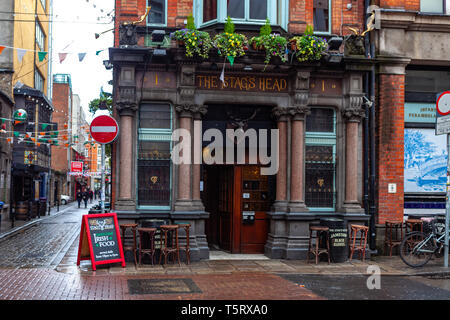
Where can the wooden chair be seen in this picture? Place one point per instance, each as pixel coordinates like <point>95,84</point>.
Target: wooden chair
<point>144,232</point>
<point>391,234</point>
<point>186,247</point>
<point>361,247</point>
<point>414,225</point>
<point>169,234</point>
<point>318,250</point>
<point>129,247</point>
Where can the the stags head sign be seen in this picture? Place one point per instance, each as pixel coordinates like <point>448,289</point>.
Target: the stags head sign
<point>246,83</point>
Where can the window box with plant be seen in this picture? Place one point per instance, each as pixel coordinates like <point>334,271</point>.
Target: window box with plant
<point>308,47</point>
<point>193,40</point>
<point>273,44</point>
<point>230,44</point>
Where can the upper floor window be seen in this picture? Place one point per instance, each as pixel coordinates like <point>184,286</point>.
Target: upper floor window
<point>38,81</point>
<point>43,4</point>
<point>241,11</point>
<point>321,15</point>
<point>40,37</point>
<point>435,6</point>
<point>157,13</point>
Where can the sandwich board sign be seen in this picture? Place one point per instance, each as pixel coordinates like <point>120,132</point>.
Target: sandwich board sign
<point>100,240</point>
<point>443,113</point>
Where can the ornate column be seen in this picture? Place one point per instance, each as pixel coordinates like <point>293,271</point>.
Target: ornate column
<point>198,111</point>
<point>282,116</point>
<point>353,116</point>
<point>298,113</point>
<point>126,107</point>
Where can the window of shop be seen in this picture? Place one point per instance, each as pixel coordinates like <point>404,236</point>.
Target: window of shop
<point>320,159</point>
<point>321,16</point>
<point>241,11</point>
<point>158,13</point>
<point>435,6</point>
<point>154,164</point>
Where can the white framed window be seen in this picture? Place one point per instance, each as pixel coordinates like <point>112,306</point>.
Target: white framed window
<point>38,80</point>
<point>435,6</point>
<point>40,37</point>
<point>241,11</point>
<point>322,16</point>
<point>158,12</point>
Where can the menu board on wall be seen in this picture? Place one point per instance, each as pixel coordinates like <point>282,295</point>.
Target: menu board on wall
<point>425,161</point>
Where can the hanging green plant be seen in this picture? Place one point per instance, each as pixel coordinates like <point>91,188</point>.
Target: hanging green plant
<point>308,47</point>
<point>230,44</point>
<point>273,44</point>
<point>194,41</point>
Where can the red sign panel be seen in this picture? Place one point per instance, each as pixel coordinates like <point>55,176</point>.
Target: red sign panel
<point>76,166</point>
<point>100,240</point>
<point>104,129</point>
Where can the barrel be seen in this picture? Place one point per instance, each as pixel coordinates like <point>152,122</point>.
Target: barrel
<point>338,238</point>
<point>21,211</point>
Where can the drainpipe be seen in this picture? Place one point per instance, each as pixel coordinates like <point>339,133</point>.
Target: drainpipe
<point>370,126</point>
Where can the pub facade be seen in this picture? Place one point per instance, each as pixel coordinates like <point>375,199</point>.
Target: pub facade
<point>307,117</point>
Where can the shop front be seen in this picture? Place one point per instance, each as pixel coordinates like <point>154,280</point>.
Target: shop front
<point>249,159</point>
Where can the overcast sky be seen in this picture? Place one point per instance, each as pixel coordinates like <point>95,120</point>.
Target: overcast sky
<point>74,28</point>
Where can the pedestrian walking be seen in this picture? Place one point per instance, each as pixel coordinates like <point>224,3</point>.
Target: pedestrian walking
<point>85,198</point>
<point>79,197</point>
<point>91,195</point>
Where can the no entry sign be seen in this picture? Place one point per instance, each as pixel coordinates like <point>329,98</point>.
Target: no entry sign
<point>104,129</point>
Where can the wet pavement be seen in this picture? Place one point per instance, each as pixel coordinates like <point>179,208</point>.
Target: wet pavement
<point>39,262</point>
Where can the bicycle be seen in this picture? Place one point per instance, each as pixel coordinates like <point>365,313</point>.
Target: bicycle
<point>418,247</point>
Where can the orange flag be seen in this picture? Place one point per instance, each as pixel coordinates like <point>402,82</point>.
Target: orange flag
<point>1,49</point>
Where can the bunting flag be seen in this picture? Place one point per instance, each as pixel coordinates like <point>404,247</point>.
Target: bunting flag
<point>42,55</point>
<point>62,56</point>
<point>98,52</point>
<point>44,126</point>
<point>231,59</point>
<point>21,54</point>
<point>1,49</point>
<point>81,56</point>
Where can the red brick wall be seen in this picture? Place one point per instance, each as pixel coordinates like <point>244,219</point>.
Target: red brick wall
<point>300,14</point>
<point>413,5</point>
<point>390,153</point>
<point>61,92</point>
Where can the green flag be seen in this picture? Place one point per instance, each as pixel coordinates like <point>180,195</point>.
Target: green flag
<point>231,59</point>
<point>44,126</point>
<point>42,55</point>
<point>16,133</point>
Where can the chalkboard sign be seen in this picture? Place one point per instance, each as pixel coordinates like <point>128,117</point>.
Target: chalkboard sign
<point>100,240</point>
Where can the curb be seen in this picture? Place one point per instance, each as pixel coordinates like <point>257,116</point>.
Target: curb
<point>31,223</point>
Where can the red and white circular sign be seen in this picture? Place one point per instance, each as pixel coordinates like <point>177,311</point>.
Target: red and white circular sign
<point>443,104</point>
<point>104,129</point>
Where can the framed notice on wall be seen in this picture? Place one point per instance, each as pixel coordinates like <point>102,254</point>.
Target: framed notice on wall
<point>100,240</point>
<point>425,161</point>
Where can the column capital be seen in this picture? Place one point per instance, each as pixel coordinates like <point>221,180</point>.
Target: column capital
<point>187,110</point>
<point>353,114</point>
<point>126,108</point>
<point>299,112</point>
<point>280,113</point>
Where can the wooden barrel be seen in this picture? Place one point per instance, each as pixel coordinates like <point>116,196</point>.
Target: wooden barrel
<point>21,211</point>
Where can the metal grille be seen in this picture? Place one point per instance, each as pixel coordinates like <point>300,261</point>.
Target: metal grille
<point>154,182</point>
<point>319,177</point>
<point>320,120</point>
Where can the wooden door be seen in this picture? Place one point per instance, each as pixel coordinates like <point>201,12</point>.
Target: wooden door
<point>251,196</point>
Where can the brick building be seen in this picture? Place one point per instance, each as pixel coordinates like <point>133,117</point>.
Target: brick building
<point>317,106</point>
<point>413,69</point>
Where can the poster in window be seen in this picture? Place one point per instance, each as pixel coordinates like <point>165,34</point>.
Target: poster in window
<point>425,161</point>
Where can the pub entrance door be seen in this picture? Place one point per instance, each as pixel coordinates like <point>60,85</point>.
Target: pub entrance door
<point>238,198</point>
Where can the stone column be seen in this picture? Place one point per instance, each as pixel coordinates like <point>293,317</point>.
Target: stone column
<point>198,111</point>
<point>297,198</point>
<point>353,117</point>
<point>281,115</point>
<point>125,199</point>
<point>184,169</point>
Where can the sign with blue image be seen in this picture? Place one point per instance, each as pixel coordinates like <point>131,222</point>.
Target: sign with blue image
<point>425,161</point>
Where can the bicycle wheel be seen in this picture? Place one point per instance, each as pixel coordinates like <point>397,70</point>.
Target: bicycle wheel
<point>410,252</point>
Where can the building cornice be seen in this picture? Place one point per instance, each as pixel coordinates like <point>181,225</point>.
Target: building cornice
<point>414,21</point>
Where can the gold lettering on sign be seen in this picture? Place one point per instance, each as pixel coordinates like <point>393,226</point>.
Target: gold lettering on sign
<point>242,83</point>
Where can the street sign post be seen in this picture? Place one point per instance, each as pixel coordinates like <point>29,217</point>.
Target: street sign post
<point>104,129</point>
<point>443,127</point>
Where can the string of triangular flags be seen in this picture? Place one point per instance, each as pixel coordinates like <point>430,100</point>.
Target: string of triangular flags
<point>43,54</point>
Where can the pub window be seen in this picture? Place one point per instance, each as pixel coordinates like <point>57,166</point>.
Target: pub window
<point>320,159</point>
<point>321,16</point>
<point>154,164</point>
<point>241,11</point>
<point>157,13</point>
